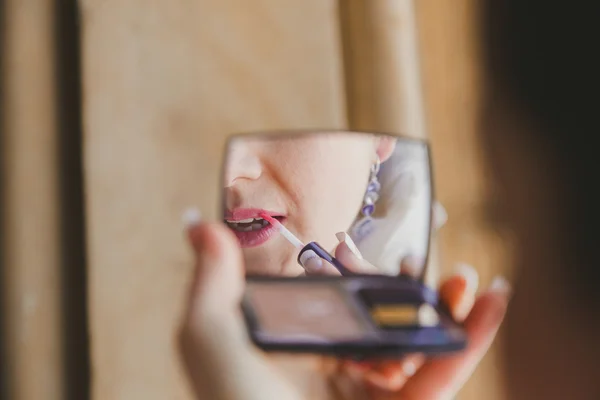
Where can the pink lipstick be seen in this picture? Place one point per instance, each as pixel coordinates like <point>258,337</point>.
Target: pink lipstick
<point>250,227</point>
<point>284,231</point>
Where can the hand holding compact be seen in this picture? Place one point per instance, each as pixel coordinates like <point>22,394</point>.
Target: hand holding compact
<point>458,293</point>
<point>223,364</point>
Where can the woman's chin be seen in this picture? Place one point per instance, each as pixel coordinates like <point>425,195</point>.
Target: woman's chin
<point>256,266</point>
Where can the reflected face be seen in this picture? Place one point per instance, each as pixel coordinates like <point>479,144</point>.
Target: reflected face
<point>313,184</point>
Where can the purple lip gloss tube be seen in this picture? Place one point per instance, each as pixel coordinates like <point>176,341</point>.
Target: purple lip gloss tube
<point>321,252</point>
<point>314,246</point>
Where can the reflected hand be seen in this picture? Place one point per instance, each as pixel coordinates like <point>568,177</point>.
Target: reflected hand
<point>349,255</point>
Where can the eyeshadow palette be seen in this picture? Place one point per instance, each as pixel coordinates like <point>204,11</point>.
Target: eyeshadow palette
<point>362,317</point>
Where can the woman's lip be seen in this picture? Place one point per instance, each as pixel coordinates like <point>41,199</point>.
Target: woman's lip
<point>255,238</point>
<point>247,213</point>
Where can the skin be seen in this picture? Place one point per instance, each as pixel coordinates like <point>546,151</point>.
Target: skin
<point>303,178</point>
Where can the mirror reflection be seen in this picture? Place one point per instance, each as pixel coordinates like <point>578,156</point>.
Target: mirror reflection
<point>328,202</point>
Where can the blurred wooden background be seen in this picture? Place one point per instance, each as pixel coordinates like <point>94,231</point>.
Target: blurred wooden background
<point>163,85</point>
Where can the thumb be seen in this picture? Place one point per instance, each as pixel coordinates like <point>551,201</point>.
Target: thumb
<point>218,283</point>
<point>220,361</point>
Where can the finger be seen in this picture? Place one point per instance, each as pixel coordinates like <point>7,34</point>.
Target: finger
<point>219,359</point>
<point>440,216</point>
<point>412,266</point>
<point>389,376</point>
<point>442,378</point>
<point>348,254</point>
<point>315,265</point>
<point>459,291</point>
<point>218,282</point>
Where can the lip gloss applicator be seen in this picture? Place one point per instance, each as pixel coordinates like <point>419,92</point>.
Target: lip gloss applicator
<point>314,246</point>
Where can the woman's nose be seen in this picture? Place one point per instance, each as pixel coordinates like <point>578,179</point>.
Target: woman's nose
<point>241,165</point>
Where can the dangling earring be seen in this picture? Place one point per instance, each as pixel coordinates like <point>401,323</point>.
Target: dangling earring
<point>364,226</point>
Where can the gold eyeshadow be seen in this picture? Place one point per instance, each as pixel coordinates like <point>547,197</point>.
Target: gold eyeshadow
<point>389,316</point>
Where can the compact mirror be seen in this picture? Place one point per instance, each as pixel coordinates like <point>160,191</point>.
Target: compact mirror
<point>320,205</point>
<point>285,191</point>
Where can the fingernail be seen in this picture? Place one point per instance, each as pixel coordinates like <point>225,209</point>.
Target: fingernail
<point>440,215</point>
<point>500,284</point>
<point>311,261</point>
<point>409,368</point>
<point>191,217</point>
<point>470,275</point>
<point>344,237</point>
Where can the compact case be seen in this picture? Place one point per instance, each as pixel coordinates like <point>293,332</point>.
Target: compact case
<point>360,316</point>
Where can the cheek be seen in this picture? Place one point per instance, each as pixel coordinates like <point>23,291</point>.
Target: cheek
<point>329,190</point>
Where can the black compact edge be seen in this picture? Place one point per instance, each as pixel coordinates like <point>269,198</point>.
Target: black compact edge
<point>447,337</point>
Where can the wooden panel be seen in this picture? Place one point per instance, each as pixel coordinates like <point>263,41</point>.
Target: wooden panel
<point>383,75</point>
<point>31,280</point>
<point>382,66</point>
<point>164,84</point>
<point>451,77</point>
